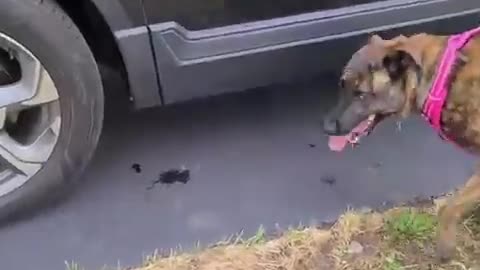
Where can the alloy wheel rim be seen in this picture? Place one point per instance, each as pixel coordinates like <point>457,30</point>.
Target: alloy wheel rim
<point>30,118</point>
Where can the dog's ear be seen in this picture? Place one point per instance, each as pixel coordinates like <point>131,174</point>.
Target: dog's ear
<point>396,63</point>
<point>412,46</point>
<point>375,39</point>
<point>401,53</point>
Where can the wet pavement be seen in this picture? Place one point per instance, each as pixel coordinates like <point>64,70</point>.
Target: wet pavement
<point>252,158</point>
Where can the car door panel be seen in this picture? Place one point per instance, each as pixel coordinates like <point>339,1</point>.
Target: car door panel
<point>196,63</point>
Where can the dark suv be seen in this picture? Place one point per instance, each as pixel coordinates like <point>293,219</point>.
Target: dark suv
<point>55,54</point>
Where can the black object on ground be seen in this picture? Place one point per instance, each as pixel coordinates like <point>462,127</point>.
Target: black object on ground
<point>172,176</point>
<point>329,180</point>
<point>137,167</point>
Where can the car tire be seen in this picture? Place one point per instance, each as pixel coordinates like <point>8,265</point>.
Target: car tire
<point>50,35</point>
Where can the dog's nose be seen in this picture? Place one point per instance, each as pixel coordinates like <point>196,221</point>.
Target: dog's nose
<point>331,126</point>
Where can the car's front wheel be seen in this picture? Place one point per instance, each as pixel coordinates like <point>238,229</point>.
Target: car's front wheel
<point>51,104</point>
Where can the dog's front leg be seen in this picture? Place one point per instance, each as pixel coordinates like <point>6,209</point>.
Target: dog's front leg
<point>452,213</point>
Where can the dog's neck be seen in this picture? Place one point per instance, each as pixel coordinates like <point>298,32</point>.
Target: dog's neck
<point>460,117</point>
<point>425,72</point>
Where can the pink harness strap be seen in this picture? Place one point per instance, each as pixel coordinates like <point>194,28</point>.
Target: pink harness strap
<point>433,106</point>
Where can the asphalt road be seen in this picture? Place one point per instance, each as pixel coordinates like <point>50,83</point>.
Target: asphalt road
<point>257,157</point>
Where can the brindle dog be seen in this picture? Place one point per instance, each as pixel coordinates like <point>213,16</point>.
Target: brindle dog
<point>393,77</point>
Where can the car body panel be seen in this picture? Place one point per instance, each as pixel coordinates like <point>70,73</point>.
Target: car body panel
<point>204,14</point>
<point>127,21</point>
<point>283,50</point>
<point>140,64</point>
<point>185,49</point>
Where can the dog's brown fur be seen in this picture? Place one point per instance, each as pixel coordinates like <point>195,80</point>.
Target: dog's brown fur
<point>460,117</point>
<point>461,122</point>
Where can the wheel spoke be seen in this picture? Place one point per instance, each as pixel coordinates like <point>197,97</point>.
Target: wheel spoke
<point>46,91</point>
<point>23,167</point>
<point>28,158</point>
<point>36,152</point>
<point>27,87</point>
<point>3,117</point>
<point>55,126</point>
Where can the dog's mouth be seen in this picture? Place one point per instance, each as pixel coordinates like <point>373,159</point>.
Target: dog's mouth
<point>338,143</point>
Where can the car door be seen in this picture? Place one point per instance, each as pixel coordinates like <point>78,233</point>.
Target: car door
<point>209,47</point>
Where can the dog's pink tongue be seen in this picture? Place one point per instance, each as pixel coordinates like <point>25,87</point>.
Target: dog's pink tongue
<point>338,143</point>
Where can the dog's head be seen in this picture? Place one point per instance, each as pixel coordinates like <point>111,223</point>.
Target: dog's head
<point>378,81</point>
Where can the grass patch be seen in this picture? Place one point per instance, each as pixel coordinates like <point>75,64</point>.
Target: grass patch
<point>398,239</point>
<point>472,223</point>
<point>392,263</point>
<point>411,225</point>
<point>259,238</point>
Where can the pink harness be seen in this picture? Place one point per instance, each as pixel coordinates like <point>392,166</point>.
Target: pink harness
<point>433,106</point>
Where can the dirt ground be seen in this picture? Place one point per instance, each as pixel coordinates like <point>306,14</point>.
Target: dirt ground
<point>400,238</point>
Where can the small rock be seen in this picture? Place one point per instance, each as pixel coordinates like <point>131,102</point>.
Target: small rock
<point>355,248</point>
<point>365,210</point>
